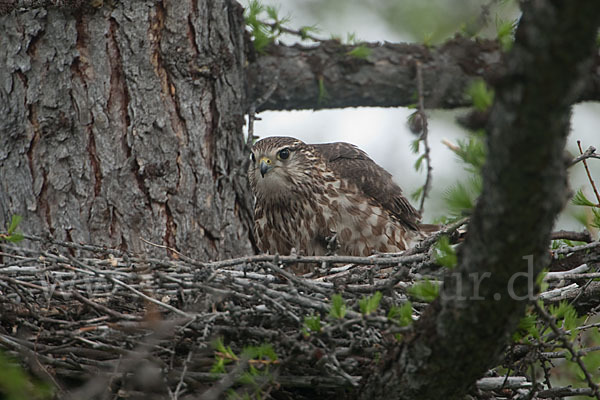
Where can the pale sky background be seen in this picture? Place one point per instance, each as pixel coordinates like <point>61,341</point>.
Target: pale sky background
<point>382,132</point>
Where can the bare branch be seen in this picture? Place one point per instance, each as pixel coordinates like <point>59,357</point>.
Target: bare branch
<point>568,345</point>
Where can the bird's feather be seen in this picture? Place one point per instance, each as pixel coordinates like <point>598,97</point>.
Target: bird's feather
<point>353,164</point>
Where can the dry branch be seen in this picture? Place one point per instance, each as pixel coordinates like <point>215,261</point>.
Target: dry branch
<point>103,321</point>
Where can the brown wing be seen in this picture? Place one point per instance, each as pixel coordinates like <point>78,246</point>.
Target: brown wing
<point>355,165</point>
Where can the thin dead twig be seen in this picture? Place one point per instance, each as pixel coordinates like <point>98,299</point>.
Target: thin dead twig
<point>589,153</point>
<point>424,135</point>
<point>569,346</point>
<point>584,236</point>
<point>587,170</point>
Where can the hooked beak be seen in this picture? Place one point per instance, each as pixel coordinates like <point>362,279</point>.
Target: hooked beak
<point>265,166</point>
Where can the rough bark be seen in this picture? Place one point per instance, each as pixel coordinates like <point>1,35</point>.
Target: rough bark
<point>460,336</point>
<point>123,123</point>
<point>386,78</point>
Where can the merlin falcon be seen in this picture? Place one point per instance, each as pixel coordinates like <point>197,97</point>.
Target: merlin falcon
<point>308,195</point>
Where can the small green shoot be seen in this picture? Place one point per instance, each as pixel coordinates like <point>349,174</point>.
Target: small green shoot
<point>460,198</point>
<point>419,163</point>
<point>595,218</point>
<point>471,152</point>
<point>11,234</point>
<point>444,253</point>
<point>223,356</point>
<point>581,200</point>
<point>527,326</point>
<point>323,95</point>
<point>369,304</point>
<point>414,146</point>
<point>306,31</point>
<point>402,315</point>
<point>566,313</point>
<point>416,195</point>
<point>263,33</point>
<point>481,96</point>
<point>361,52</point>
<point>425,291</point>
<point>338,307</point>
<point>505,33</point>
<point>312,324</point>
<point>16,384</point>
<point>540,282</point>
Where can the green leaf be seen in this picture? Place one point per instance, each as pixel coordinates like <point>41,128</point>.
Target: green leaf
<point>460,199</point>
<point>254,8</point>
<point>272,12</point>
<point>565,312</point>
<point>262,34</point>
<point>527,326</point>
<point>338,307</point>
<point>471,152</point>
<point>15,237</point>
<point>414,145</point>
<point>419,162</point>
<point>351,38</point>
<point>481,96</point>
<point>14,223</point>
<point>595,218</point>
<point>307,30</point>
<point>312,324</point>
<point>369,304</point>
<point>262,352</point>
<point>428,39</point>
<point>444,253</point>
<point>539,280</point>
<point>16,384</point>
<point>323,95</point>
<point>401,315</point>
<point>361,52</point>
<point>248,378</point>
<point>580,200</point>
<point>505,33</point>
<point>218,366</point>
<point>261,40</point>
<point>221,348</point>
<point>416,195</point>
<point>425,291</point>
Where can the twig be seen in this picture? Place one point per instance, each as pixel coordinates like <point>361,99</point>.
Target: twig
<point>226,382</point>
<point>426,243</point>
<point>560,392</point>
<point>573,249</point>
<point>424,135</point>
<point>175,395</point>
<point>303,35</point>
<point>584,236</point>
<point>587,170</point>
<point>102,308</point>
<point>503,382</point>
<point>87,323</point>
<point>296,279</point>
<point>589,153</point>
<point>569,346</point>
<point>256,105</point>
<point>371,260</point>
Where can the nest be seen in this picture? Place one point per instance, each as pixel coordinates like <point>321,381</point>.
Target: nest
<point>98,322</point>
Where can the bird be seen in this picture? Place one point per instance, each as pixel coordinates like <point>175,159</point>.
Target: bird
<point>308,196</point>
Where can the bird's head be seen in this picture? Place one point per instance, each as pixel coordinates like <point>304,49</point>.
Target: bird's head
<point>279,165</point>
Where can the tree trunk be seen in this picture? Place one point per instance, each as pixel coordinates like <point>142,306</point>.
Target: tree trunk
<point>123,124</point>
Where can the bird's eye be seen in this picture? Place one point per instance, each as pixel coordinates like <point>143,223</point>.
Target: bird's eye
<point>253,157</point>
<point>283,154</point>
